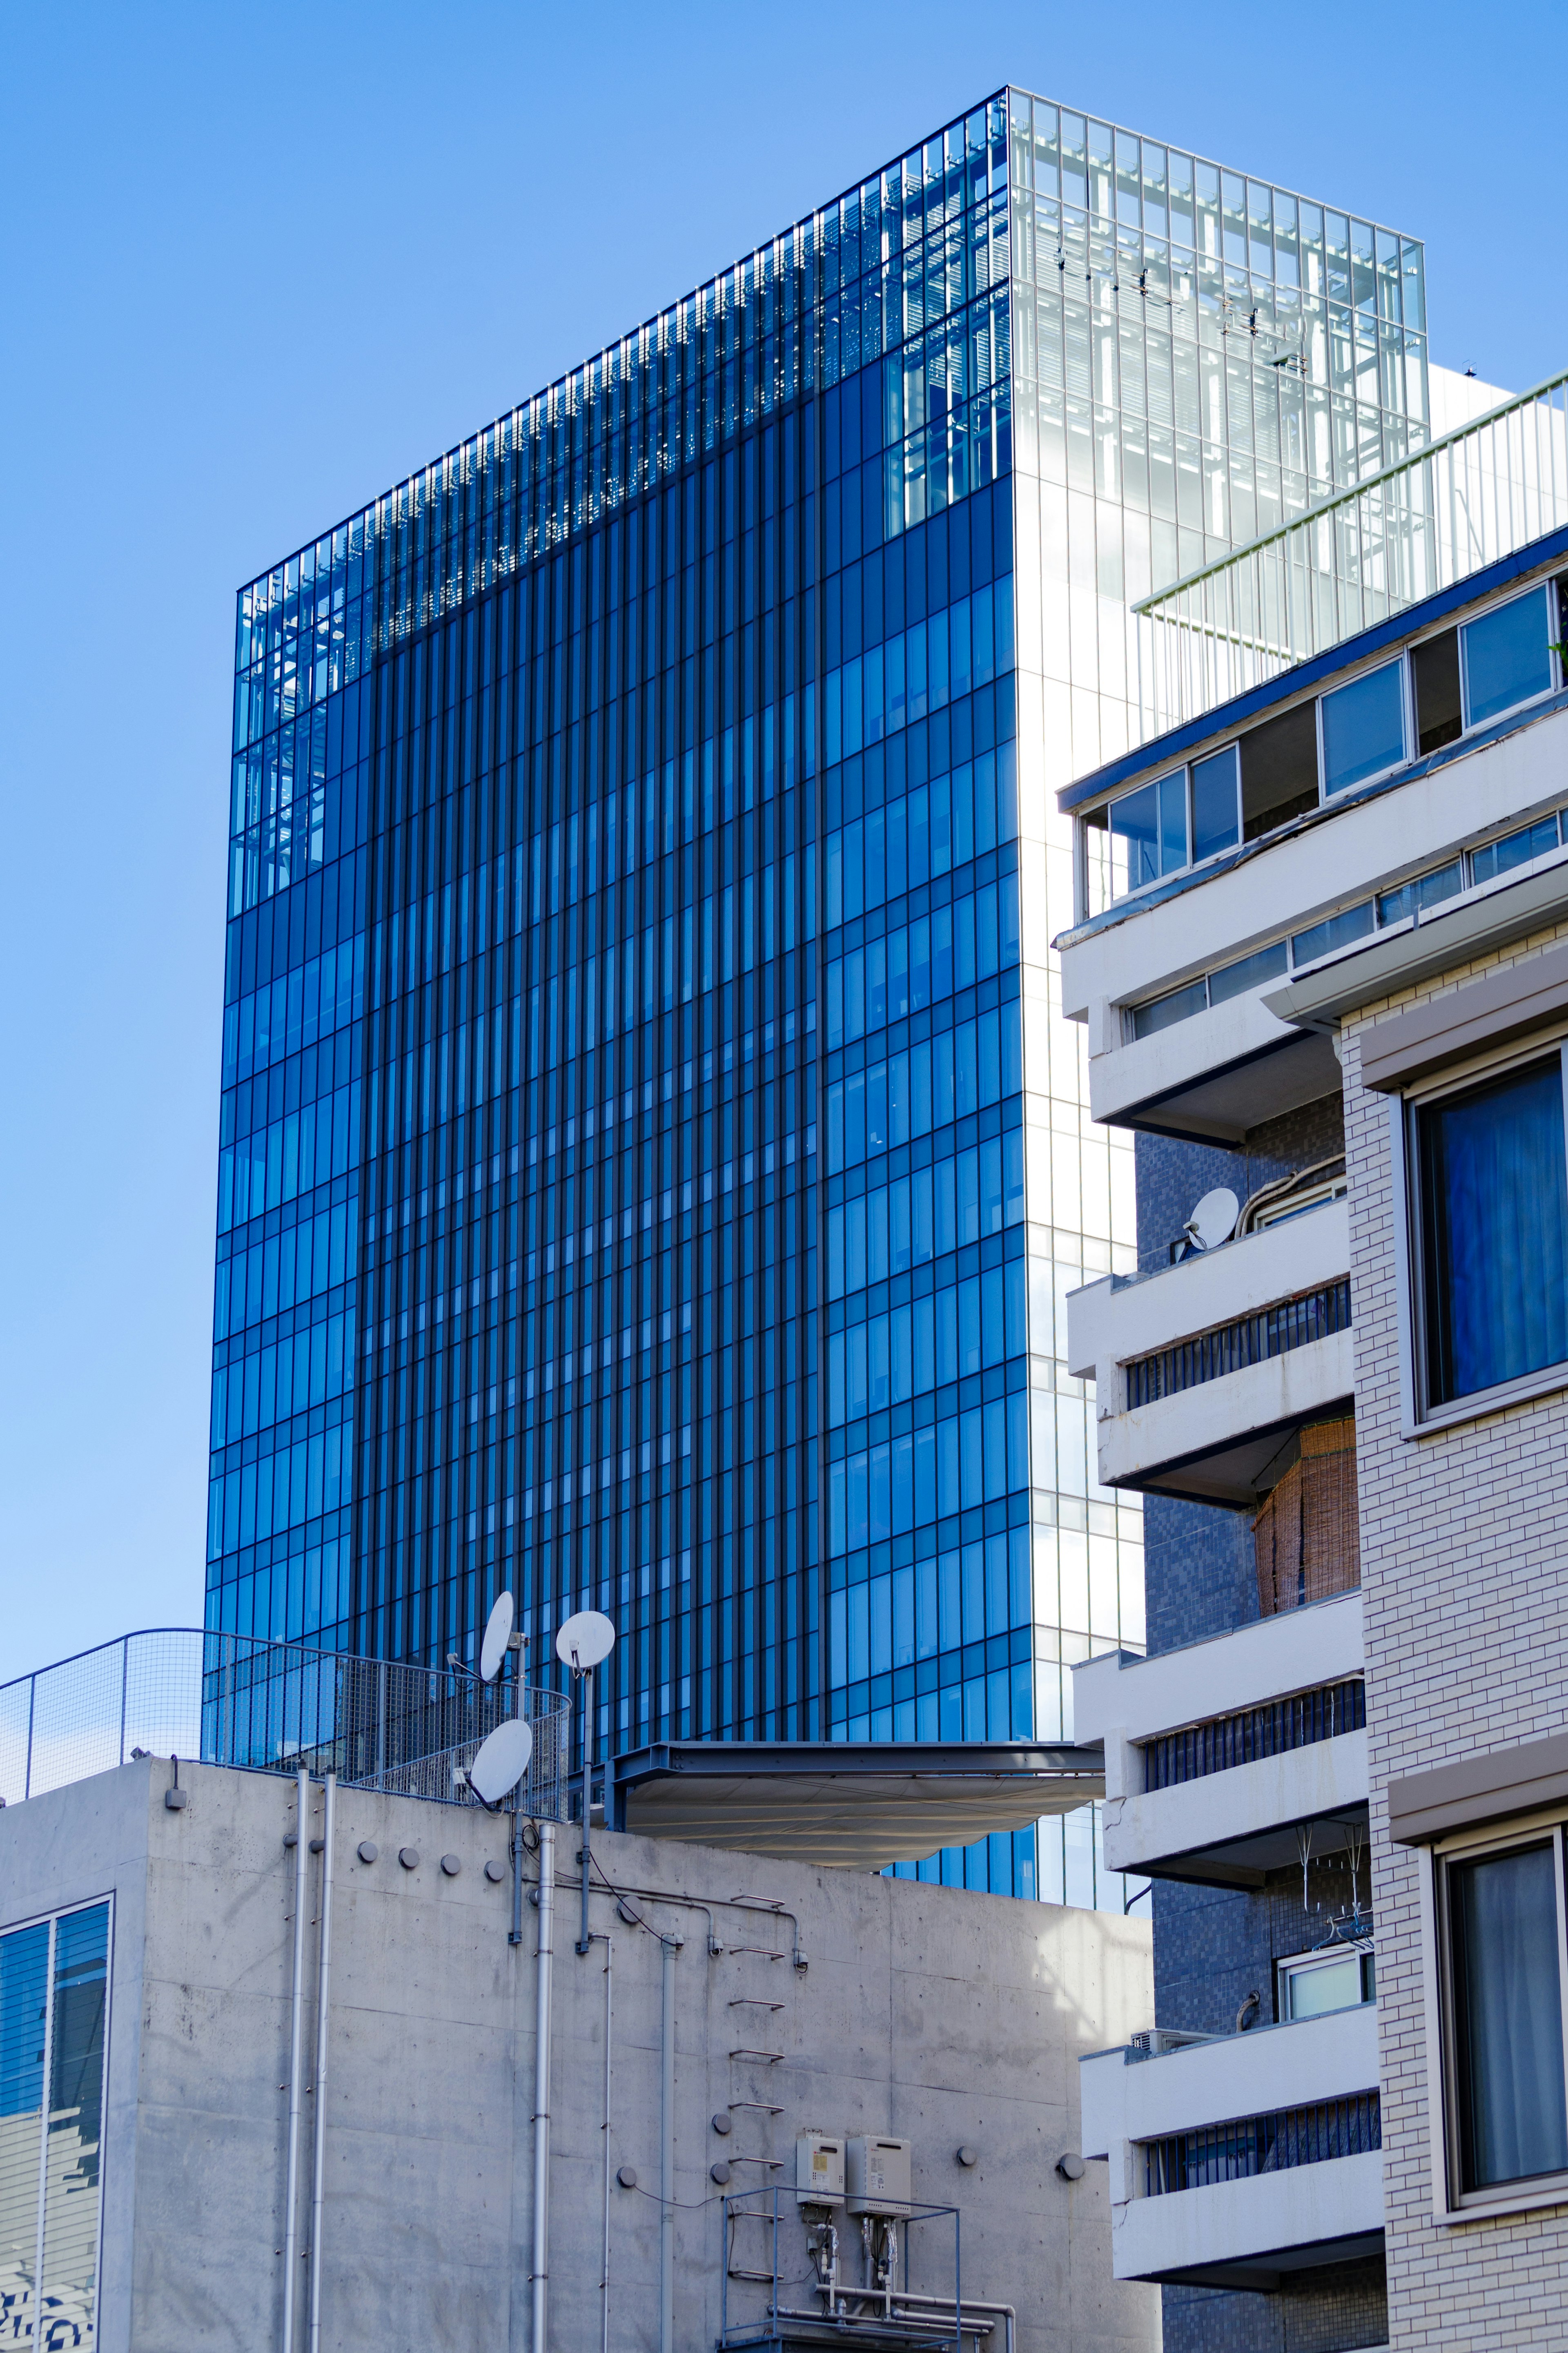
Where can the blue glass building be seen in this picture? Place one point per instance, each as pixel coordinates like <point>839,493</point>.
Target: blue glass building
<point>652,1155</point>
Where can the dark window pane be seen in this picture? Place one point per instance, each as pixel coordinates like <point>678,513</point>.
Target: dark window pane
<point>1434,668</point>
<point>1333,931</point>
<point>1233,979</point>
<point>1280,770</point>
<point>1426,890</point>
<point>1506,658</point>
<point>1508,2016</point>
<point>1215,821</point>
<point>1364,729</point>
<point>1176,1007</point>
<point>1494,1224</point>
<point>1514,849</point>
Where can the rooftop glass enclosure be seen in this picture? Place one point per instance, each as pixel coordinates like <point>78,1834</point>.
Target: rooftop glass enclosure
<point>1482,492</point>
<point>642,1182</point>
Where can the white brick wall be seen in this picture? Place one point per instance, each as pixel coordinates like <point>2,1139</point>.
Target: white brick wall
<point>1464,1542</point>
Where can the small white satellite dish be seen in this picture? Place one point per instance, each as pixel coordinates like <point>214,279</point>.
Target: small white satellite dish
<point>497,1634</point>
<point>503,1760</point>
<point>1213,1219</point>
<point>586,1640</point>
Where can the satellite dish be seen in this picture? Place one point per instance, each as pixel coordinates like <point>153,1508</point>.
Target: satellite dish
<point>586,1640</point>
<point>503,1759</point>
<point>1213,1219</point>
<point>497,1634</point>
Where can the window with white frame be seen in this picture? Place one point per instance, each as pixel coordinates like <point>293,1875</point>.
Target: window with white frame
<point>1432,693</point>
<point>1487,1191</point>
<point>1311,1985</point>
<point>1503,1984</point>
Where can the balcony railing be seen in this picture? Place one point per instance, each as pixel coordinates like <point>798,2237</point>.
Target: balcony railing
<point>270,1708</point>
<point>1271,1731</point>
<point>1478,493</point>
<point>1250,2146</point>
<point>1231,1348</point>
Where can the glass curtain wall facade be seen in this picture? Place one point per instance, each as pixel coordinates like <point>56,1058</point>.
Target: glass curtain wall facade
<point>641,1182</point>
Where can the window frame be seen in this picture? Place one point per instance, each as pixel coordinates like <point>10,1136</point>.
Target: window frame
<point>1452,2203</point>
<point>1400,662</point>
<point>1541,588</point>
<point>1419,1416</point>
<point>1290,1966</point>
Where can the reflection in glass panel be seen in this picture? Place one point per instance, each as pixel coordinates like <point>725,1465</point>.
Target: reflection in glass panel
<point>75,2126</point>
<point>1334,932</point>
<point>1215,820</point>
<point>24,1988</point>
<point>1251,972</point>
<point>1426,891</point>
<point>1149,832</point>
<point>1494,1232</point>
<point>1363,728</point>
<point>1508,2018</point>
<point>1180,1005</point>
<point>1516,849</point>
<point>1507,657</point>
<point>53,1990</point>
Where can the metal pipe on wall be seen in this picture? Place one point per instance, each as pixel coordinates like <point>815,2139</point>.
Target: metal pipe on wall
<point>583,1939</point>
<point>324,1992</point>
<point>609,1945</point>
<point>669,1945</point>
<point>296,2038</point>
<point>541,2083</point>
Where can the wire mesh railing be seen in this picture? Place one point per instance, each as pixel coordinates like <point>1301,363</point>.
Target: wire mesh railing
<point>1485,491</point>
<point>1273,2143</point>
<point>270,1707</point>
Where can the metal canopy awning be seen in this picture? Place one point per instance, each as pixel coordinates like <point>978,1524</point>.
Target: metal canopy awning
<point>859,1805</point>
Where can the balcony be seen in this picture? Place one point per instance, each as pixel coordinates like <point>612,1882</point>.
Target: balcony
<point>1220,1757</point>
<point>1237,2159</point>
<point>1202,1369</point>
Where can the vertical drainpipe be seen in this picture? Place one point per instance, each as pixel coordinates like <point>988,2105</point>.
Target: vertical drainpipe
<point>541,2085</point>
<point>296,2039</point>
<point>670,1947</point>
<point>323,1986</point>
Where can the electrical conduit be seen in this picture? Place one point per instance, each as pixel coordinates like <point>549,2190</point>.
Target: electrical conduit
<point>324,1987</point>
<point>296,2038</point>
<point>541,2085</point>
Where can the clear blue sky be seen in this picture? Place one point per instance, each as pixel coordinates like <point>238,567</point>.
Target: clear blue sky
<point>258,263</point>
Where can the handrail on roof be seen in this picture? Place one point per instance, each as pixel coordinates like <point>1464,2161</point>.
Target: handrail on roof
<point>1480,493</point>
<point>1147,605</point>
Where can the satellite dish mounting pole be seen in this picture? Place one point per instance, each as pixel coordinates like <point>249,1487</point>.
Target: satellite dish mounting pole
<point>582,1943</point>
<point>583,1641</point>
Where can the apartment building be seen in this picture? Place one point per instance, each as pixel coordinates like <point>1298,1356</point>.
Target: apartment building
<point>1321,949</point>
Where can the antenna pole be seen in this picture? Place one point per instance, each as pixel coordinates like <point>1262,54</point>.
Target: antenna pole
<point>582,1939</point>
